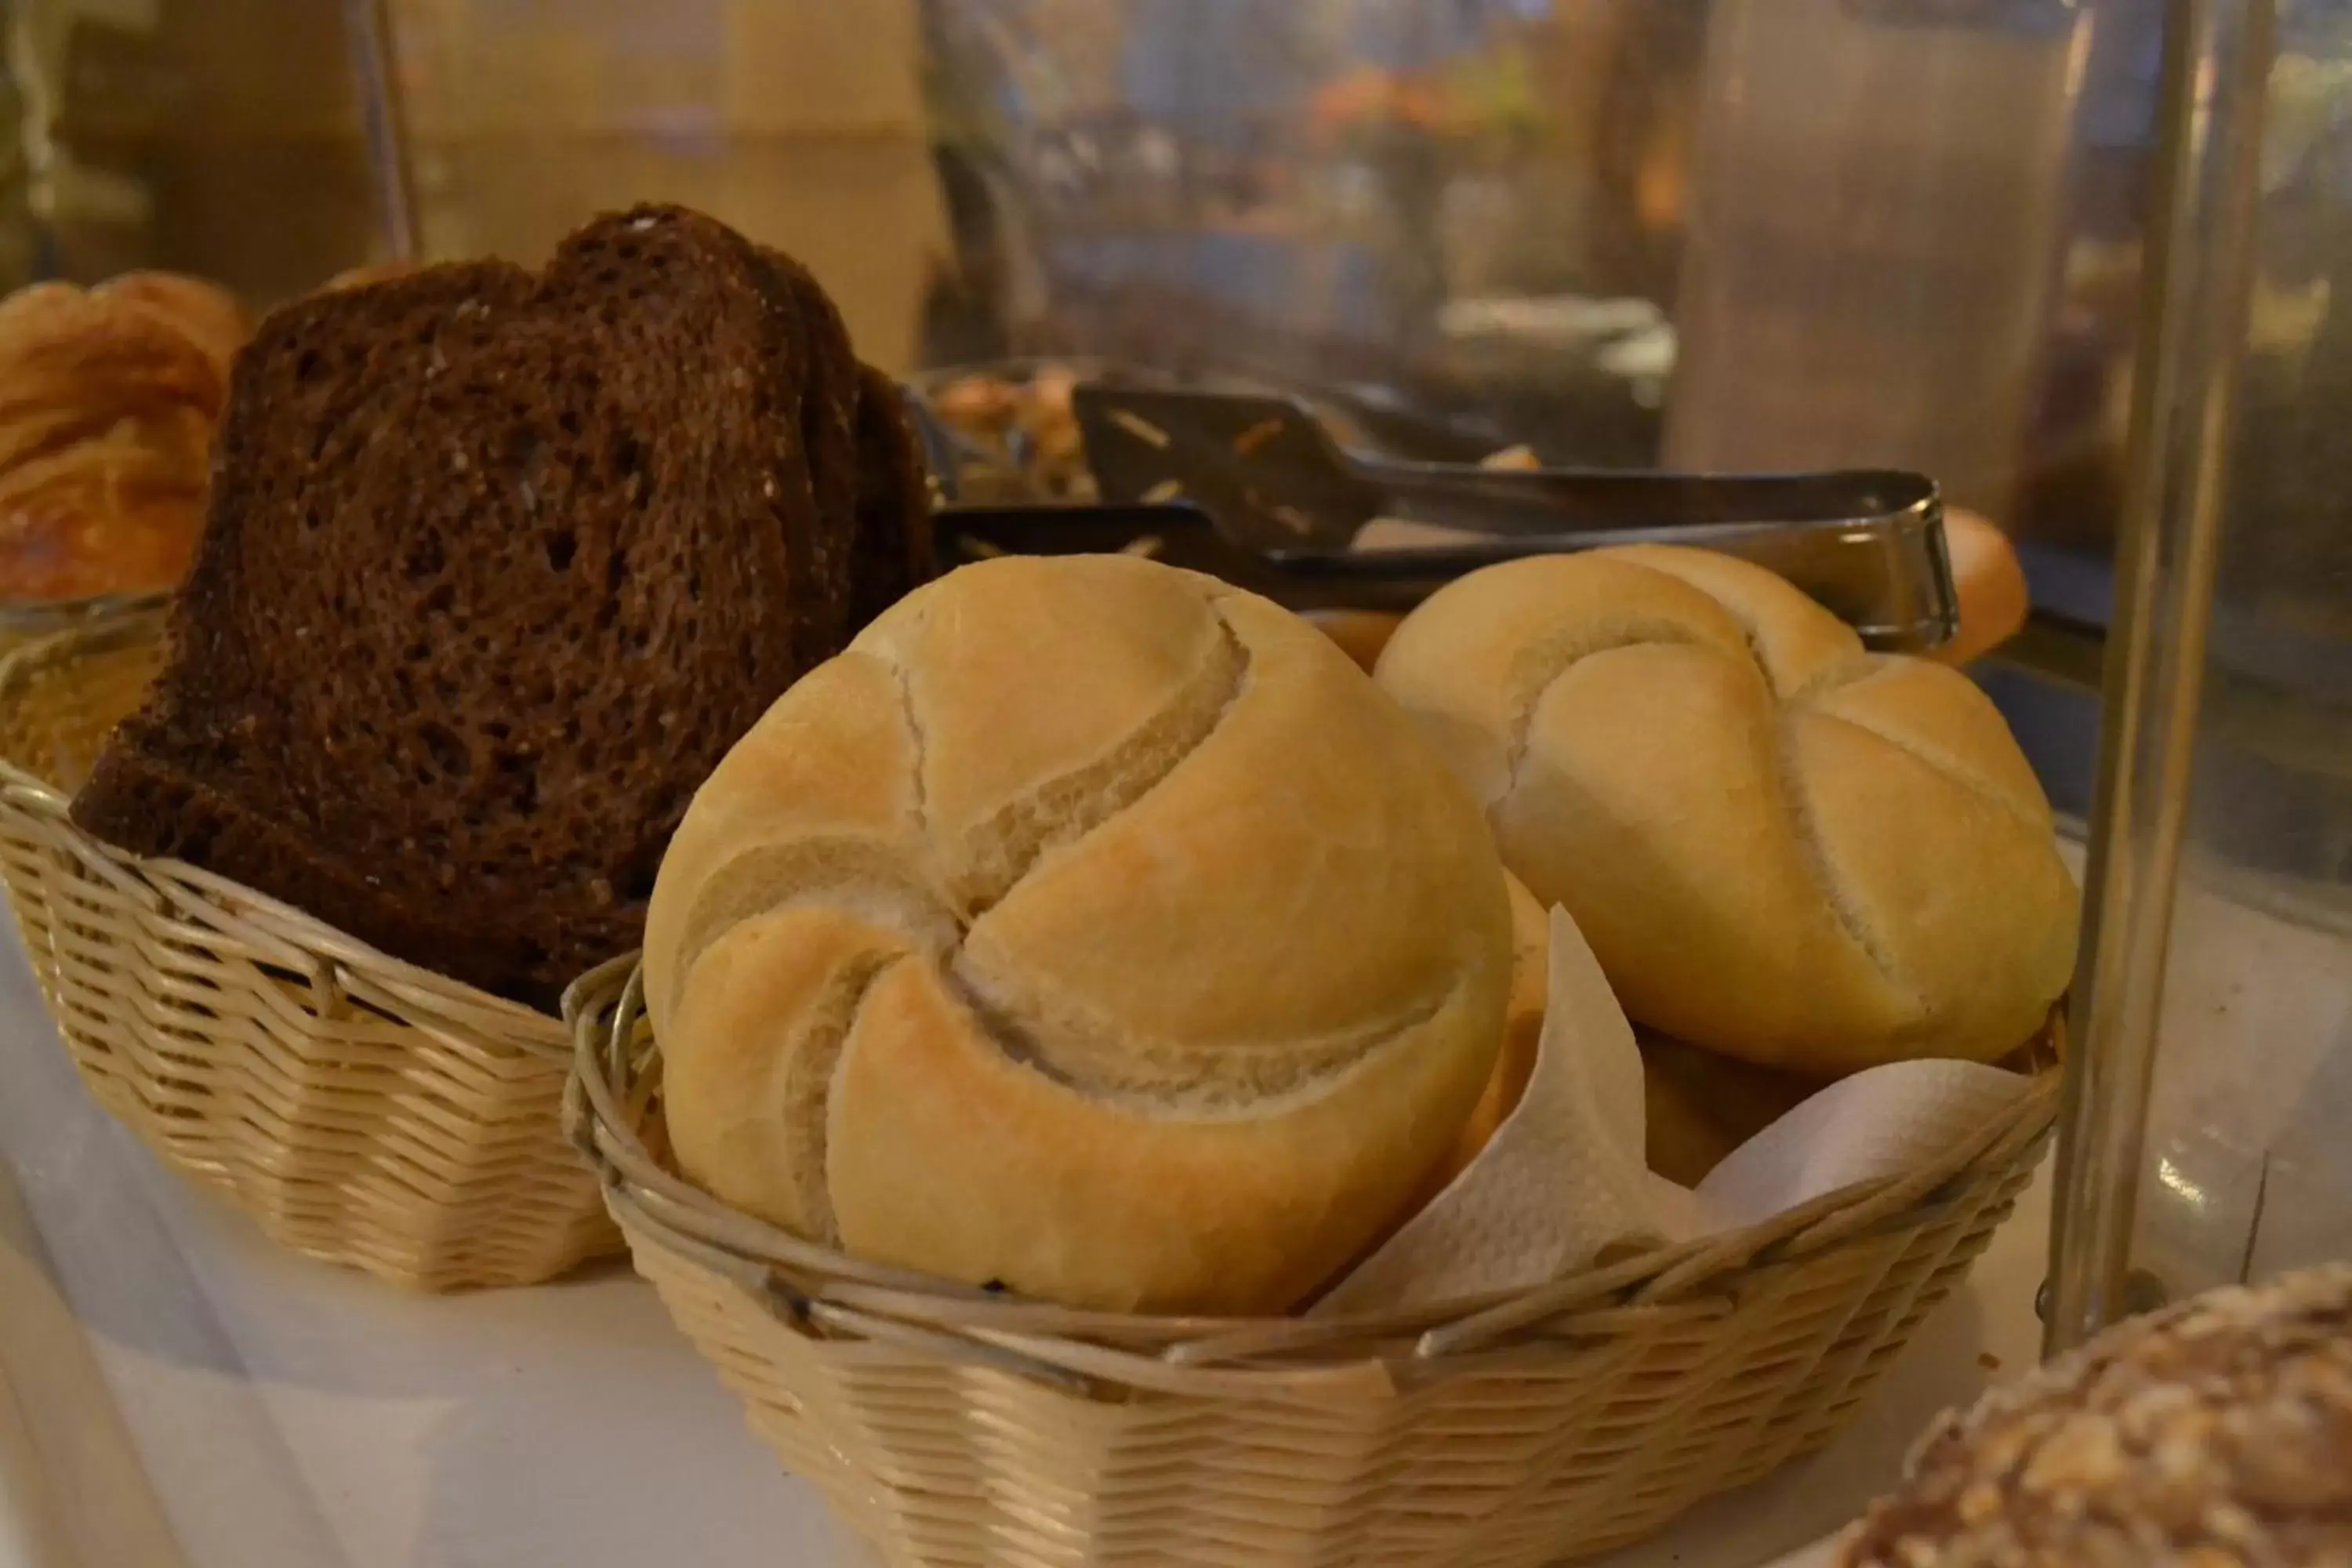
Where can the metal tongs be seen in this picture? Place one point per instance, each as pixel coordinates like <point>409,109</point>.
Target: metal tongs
<point>1253,490</point>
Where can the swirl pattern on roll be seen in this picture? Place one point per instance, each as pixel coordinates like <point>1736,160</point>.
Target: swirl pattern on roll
<point>1780,847</point>
<point>1088,927</point>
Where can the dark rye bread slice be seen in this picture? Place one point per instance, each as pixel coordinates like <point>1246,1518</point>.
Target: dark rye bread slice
<point>893,553</point>
<point>890,551</point>
<point>498,565</point>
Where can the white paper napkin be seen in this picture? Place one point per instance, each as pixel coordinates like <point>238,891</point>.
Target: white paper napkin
<point>1563,1183</point>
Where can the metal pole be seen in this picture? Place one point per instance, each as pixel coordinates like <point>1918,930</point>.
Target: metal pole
<point>2201,243</point>
<point>367,29</point>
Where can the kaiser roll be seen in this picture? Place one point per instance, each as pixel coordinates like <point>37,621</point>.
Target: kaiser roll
<point>1088,927</point>
<point>1780,847</point>
<point>1514,1065</point>
<point>1699,1106</point>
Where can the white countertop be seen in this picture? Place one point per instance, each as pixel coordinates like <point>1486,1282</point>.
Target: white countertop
<point>267,1412</point>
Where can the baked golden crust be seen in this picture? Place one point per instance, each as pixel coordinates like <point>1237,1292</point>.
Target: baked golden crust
<point>206,313</point>
<point>1089,927</point>
<point>1701,1105</point>
<point>1780,847</point>
<point>1515,1067</point>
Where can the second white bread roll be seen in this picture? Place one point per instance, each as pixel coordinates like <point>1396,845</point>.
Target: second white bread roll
<point>1780,847</point>
<point>1089,927</point>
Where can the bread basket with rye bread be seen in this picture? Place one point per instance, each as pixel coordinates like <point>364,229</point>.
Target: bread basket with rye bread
<point>1029,916</point>
<point>497,562</point>
<point>362,1111</point>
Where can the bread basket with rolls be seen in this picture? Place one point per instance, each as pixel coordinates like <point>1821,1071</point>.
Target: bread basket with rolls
<point>498,564</point>
<point>1052,1003</point>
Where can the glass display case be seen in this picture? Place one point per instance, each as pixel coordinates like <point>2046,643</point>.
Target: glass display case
<point>801,125</point>
<point>2074,259</point>
<point>1706,235</point>
<point>152,134</point>
<point>2215,1000</point>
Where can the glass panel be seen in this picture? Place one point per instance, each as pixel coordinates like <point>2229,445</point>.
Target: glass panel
<point>1877,222</point>
<point>1504,209</point>
<point>2206,1141</point>
<point>160,133</point>
<point>1620,232</point>
<point>801,124</point>
<point>1474,206</point>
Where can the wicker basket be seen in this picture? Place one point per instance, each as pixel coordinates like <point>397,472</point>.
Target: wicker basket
<point>364,1112</point>
<point>953,1427</point>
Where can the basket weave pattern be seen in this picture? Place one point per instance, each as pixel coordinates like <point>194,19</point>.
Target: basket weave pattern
<point>957,1429</point>
<point>363,1112</point>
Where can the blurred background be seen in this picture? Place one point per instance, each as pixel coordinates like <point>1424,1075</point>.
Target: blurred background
<point>1703,233</point>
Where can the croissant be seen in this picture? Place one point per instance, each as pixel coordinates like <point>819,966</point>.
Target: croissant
<point>206,313</point>
<point>109,398</point>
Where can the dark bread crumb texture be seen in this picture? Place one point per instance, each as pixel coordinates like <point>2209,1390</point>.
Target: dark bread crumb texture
<point>2215,1434</point>
<point>498,565</point>
<point>892,549</point>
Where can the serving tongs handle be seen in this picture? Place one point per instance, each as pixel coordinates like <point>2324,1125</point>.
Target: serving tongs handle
<point>1869,546</point>
<point>1578,503</point>
<point>1255,490</point>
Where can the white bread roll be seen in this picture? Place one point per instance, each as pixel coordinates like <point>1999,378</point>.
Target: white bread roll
<point>1523,1021</point>
<point>1780,847</point>
<point>1701,1105</point>
<point>1089,926</point>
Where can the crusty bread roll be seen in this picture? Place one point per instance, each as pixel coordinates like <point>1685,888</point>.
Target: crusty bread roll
<point>1780,847</point>
<point>1523,1021</point>
<point>1089,927</point>
<point>1360,634</point>
<point>206,313</point>
<point>1698,1106</point>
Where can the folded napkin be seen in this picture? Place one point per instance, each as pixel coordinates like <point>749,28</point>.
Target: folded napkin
<point>1563,1183</point>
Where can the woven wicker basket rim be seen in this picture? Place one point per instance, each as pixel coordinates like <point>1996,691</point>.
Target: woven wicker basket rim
<point>294,939</point>
<point>817,1287</point>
